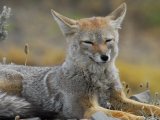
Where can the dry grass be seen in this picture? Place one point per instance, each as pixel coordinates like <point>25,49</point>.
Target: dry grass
<point>49,56</point>
<point>139,74</point>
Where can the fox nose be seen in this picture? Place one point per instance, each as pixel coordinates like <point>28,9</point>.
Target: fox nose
<point>104,58</point>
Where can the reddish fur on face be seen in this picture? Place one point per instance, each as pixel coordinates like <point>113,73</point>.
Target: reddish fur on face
<point>101,48</point>
<point>96,48</point>
<point>93,23</point>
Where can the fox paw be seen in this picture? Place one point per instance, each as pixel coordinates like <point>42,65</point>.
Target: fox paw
<point>127,116</point>
<point>132,118</point>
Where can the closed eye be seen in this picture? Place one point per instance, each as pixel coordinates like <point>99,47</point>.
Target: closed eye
<point>88,42</point>
<point>108,40</point>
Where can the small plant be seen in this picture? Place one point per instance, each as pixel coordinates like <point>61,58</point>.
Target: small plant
<point>154,100</point>
<point>17,117</point>
<point>4,59</point>
<point>26,51</point>
<point>3,18</point>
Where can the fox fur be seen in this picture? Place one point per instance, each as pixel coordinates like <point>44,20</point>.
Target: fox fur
<point>85,83</point>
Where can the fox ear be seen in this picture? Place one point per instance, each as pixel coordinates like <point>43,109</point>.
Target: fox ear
<point>118,15</point>
<point>68,26</point>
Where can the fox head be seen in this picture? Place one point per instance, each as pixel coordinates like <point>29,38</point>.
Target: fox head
<point>95,39</point>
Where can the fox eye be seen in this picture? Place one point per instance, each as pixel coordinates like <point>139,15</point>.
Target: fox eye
<point>88,42</point>
<point>108,40</point>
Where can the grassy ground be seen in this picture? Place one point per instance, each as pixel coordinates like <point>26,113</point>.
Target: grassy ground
<point>136,75</point>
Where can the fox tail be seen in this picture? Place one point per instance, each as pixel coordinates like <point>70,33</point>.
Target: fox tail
<point>11,106</point>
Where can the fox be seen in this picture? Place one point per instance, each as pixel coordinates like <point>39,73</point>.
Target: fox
<point>86,82</point>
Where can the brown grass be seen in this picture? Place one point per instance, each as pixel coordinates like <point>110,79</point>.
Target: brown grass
<point>135,75</point>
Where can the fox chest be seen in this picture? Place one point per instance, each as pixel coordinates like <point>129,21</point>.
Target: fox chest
<point>82,82</point>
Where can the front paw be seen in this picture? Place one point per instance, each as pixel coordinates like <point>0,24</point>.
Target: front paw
<point>137,118</point>
<point>126,116</point>
<point>133,118</point>
<point>155,111</point>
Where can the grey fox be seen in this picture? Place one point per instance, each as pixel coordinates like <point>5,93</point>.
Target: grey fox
<point>85,83</point>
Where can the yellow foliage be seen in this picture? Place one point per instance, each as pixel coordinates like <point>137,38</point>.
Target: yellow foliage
<point>135,75</point>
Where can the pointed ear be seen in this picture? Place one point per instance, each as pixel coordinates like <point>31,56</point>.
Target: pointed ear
<point>67,25</point>
<point>118,15</point>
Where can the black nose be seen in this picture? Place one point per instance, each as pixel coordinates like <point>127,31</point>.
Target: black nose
<point>104,57</point>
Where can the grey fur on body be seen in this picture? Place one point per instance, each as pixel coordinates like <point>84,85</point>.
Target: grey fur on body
<point>60,89</point>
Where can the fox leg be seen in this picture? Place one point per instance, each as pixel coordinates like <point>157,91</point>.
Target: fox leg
<point>91,106</point>
<point>113,113</point>
<point>11,106</point>
<point>120,101</point>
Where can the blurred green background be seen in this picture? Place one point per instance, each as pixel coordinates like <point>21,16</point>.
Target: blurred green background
<point>31,22</point>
